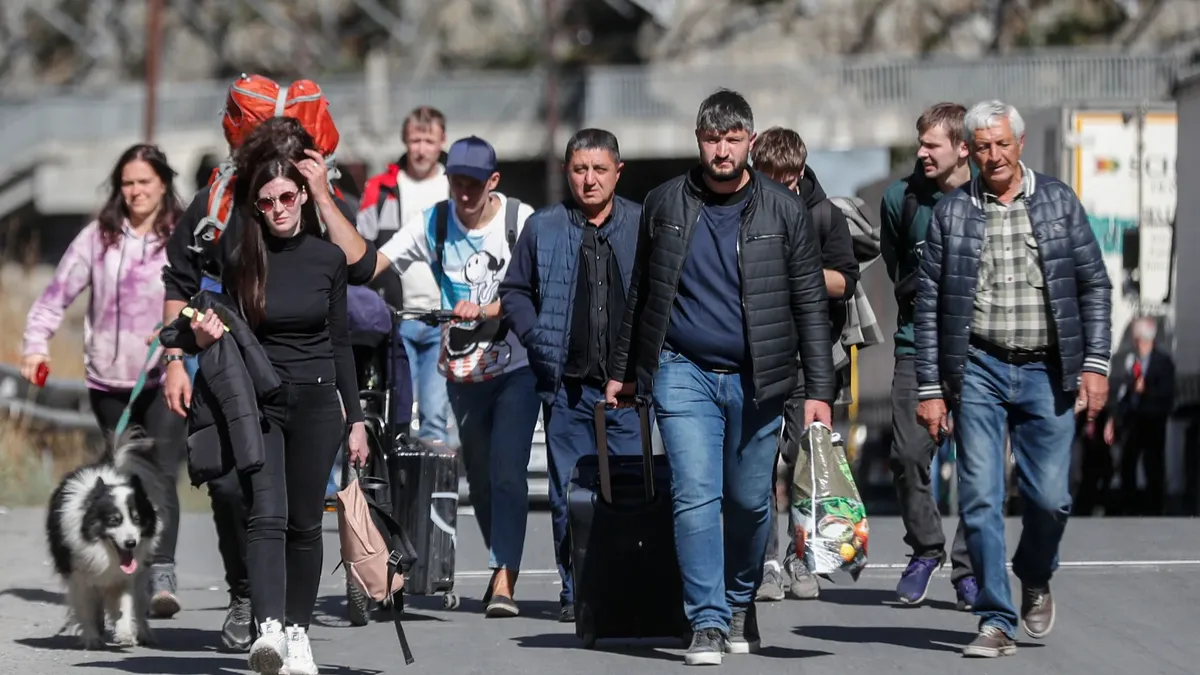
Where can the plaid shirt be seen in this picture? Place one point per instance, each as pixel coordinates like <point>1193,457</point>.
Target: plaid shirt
<point>1010,299</point>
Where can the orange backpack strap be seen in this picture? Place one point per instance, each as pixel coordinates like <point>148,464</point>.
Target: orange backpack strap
<point>220,206</point>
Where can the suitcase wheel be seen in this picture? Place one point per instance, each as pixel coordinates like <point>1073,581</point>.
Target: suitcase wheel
<point>589,640</point>
<point>450,601</point>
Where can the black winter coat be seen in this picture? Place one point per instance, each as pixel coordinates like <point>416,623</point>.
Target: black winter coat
<point>1077,284</point>
<point>783,288</point>
<point>225,425</point>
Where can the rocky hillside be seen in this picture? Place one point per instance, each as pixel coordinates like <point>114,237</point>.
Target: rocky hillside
<point>94,43</point>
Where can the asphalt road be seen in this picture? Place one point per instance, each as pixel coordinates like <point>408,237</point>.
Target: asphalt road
<point>1127,596</point>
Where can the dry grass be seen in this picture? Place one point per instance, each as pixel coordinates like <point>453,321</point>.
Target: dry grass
<point>20,286</point>
<point>33,460</point>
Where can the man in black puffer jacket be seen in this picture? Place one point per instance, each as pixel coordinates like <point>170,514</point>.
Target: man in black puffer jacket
<point>1012,326</point>
<point>727,288</point>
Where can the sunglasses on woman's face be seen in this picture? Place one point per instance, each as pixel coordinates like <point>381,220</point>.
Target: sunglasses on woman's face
<point>267,204</point>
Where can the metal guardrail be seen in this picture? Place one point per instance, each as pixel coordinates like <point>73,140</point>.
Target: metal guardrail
<point>62,404</point>
<point>833,88</point>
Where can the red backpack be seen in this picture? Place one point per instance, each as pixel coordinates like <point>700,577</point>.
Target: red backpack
<point>252,100</point>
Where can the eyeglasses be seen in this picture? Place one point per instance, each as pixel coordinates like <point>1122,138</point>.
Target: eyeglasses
<point>267,204</point>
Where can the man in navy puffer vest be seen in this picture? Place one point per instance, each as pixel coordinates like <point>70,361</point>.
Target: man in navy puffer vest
<point>565,296</point>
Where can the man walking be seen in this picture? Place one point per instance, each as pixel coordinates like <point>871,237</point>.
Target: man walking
<point>1145,400</point>
<point>396,199</point>
<point>1013,330</point>
<point>943,164</point>
<point>565,296</point>
<point>727,288</point>
<point>781,155</point>
<point>468,240</point>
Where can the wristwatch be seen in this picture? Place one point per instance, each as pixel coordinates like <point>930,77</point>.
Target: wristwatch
<point>483,313</point>
<point>168,358</point>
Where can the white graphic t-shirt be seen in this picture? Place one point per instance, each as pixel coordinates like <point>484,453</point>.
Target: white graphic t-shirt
<point>475,263</point>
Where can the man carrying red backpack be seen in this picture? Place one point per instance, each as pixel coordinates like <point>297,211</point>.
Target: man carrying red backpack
<point>194,265</point>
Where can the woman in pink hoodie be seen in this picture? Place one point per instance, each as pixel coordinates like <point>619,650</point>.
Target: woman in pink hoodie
<point>120,257</point>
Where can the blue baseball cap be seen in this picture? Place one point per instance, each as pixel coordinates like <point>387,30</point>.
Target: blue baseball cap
<point>471,156</point>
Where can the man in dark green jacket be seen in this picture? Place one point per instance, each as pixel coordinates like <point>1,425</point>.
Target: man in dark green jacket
<point>942,166</point>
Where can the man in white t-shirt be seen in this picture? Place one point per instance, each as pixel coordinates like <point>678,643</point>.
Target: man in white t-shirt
<point>468,242</point>
<point>394,200</point>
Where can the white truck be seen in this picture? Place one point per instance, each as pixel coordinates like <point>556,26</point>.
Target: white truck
<point>1095,150</point>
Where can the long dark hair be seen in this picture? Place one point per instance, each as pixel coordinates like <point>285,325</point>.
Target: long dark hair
<point>269,152</point>
<point>114,212</point>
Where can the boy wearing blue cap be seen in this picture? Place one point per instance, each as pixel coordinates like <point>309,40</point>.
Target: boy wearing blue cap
<point>467,241</point>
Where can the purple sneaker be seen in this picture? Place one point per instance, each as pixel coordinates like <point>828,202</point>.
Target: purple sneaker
<point>914,583</point>
<point>968,592</point>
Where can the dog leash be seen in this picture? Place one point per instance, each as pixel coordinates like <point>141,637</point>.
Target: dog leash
<point>139,385</point>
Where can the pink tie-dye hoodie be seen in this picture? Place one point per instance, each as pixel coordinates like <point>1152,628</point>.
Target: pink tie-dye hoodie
<point>126,305</point>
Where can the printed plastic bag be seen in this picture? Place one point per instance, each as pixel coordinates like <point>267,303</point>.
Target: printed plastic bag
<point>831,521</point>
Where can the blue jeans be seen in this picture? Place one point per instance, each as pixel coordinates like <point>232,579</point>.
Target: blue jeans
<point>722,452</point>
<point>1028,403</point>
<point>495,424</point>
<point>571,435</point>
<point>423,345</point>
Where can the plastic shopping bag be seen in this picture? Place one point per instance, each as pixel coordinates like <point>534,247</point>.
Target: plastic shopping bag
<point>831,521</point>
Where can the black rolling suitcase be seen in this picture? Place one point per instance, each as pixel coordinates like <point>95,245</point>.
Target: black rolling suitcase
<point>425,494</point>
<point>626,575</point>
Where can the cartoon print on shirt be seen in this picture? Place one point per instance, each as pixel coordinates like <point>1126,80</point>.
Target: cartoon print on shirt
<point>482,272</point>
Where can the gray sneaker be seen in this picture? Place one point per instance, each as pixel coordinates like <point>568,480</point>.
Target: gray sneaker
<point>163,603</point>
<point>743,632</point>
<point>990,643</point>
<point>708,646</point>
<point>771,588</point>
<point>805,585</point>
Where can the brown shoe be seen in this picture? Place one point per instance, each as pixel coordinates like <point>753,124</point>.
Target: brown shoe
<point>990,643</point>
<point>1037,611</point>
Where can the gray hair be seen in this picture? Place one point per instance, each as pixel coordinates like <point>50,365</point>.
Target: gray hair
<point>593,139</point>
<point>985,115</point>
<point>725,110</point>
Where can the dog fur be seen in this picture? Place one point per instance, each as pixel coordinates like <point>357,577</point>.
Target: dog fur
<point>102,526</point>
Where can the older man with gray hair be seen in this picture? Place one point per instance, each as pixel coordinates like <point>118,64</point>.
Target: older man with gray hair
<point>1013,333</point>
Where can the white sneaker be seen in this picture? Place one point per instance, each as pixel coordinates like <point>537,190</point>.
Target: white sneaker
<point>270,649</point>
<point>299,653</point>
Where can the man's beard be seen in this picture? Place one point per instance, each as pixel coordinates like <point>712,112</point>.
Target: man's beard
<point>721,177</point>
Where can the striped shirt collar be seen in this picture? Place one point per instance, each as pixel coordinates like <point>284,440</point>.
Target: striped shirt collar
<point>979,189</point>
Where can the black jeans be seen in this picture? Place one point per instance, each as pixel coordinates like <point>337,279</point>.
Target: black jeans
<point>286,499</point>
<point>911,459</point>
<point>1144,439</point>
<point>169,432</point>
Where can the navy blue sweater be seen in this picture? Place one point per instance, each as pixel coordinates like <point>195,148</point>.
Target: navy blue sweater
<point>707,321</point>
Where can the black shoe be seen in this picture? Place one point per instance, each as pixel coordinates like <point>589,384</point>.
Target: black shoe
<point>567,613</point>
<point>743,632</point>
<point>501,607</point>
<point>708,646</point>
<point>237,633</point>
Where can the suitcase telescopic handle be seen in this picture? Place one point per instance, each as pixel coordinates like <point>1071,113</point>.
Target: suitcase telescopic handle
<point>642,403</point>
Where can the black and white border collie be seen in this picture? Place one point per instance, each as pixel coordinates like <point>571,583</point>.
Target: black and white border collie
<point>102,526</point>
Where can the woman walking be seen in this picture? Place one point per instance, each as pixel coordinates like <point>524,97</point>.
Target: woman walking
<point>119,257</point>
<point>290,286</point>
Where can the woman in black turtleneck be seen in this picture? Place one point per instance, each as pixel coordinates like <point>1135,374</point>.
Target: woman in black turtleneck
<point>291,287</point>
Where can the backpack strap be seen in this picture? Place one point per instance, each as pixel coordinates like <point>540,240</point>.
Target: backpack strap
<point>908,210</point>
<point>511,211</point>
<point>906,287</point>
<point>386,191</point>
<point>823,216</point>
<point>441,225</point>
